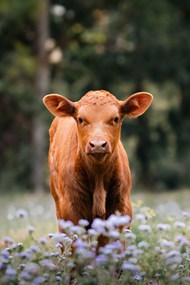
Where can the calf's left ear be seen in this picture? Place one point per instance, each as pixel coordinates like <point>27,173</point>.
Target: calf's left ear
<point>59,105</point>
<point>136,104</point>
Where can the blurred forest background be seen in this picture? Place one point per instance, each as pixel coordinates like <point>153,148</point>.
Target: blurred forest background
<point>71,47</point>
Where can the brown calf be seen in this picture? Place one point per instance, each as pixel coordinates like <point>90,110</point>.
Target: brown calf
<point>89,169</point>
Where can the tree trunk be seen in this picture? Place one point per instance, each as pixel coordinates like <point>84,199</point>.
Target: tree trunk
<point>41,86</point>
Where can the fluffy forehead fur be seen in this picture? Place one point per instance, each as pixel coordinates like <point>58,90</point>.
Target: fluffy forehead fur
<point>98,98</point>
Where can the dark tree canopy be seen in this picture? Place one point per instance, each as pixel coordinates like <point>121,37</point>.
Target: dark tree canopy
<point>121,46</point>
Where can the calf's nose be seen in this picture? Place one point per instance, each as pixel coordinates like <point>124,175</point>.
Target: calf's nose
<point>98,146</point>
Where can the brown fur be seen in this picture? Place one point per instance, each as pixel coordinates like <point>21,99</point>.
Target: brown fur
<point>86,181</point>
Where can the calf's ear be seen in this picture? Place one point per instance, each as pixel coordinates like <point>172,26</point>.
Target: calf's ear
<point>59,105</point>
<point>136,104</point>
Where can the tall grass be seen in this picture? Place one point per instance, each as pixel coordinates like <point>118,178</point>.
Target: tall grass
<point>157,251</point>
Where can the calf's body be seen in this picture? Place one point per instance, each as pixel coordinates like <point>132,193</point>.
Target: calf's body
<point>89,170</point>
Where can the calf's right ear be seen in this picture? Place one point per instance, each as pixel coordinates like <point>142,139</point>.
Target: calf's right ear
<point>59,105</point>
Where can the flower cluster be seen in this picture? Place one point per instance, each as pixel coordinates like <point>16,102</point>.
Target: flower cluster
<point>155,251</point>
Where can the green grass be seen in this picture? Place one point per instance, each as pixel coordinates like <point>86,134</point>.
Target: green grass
<point>41,210</point>
<point>40,214</point>
<point>158,247</point>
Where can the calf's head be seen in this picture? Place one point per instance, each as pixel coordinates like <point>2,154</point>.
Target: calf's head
<point>98,116</point>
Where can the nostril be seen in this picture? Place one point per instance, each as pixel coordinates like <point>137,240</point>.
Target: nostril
<point>91,144</point>
<point>104,144</point>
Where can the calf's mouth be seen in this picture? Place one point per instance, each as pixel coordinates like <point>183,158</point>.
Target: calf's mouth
<point>98,155</point>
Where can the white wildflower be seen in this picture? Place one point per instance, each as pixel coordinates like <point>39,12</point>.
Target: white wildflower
<point>174,259</point>
<point>101,259</point>
<point>145,228</point>
<point>130,235</point>
<point>130,267</point>
<point>172,253</point>
<point>116,221</point>
<point>186,214</point>
<point>21,213</point>
<point>59,237</point>
<point>80,230</point>
<point>123,220</point>
<point>58,278</point>
<point>127,230</point>
<point>179,224</point>
<point>38,280</point>
<point>113,234</point>
<point>25,275</point>
<point>132,260</point>
<point>48,264</point>
<point>112,221</point>
<point>137,277</point>
<point>59,245</point>
<point>65,225</point>
<point>157,249</point>
<point>93,232</point>
<point>143,244</point>
<point>110,247</point>
<point>30,229</point>
<point>8,240</point>
<point>105,250</point>
<point>138,252</point>
<point>22,266</point>
<point>182,240</point>
<point>42,240</point>
<point>131,247</point>
<point>24,255</point>
<point>157,275</point>
<point>186,278</point>
<point>166,243</point>
<point>175,277</point>
<point>98,225</point>
<point>11,272</point>
<point>32,268</point>
<point>83,223</point>
<point>34,248</point>
<point>142,273</point>
<point>79,243</point>
<point>71,264</point>
<point>68,240</point>
<point>75,237</point>
<point>164,227</point>
<point>141,218</point>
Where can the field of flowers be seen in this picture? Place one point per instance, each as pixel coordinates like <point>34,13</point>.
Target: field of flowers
<point>157,251</point>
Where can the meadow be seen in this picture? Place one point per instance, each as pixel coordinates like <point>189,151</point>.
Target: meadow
<point>157,252</point>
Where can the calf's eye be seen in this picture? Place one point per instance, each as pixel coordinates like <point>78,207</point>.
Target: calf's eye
<point>80,120</point>
<point>116,119</point>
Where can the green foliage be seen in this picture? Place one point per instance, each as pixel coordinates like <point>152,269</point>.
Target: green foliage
<point>122,46</point>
